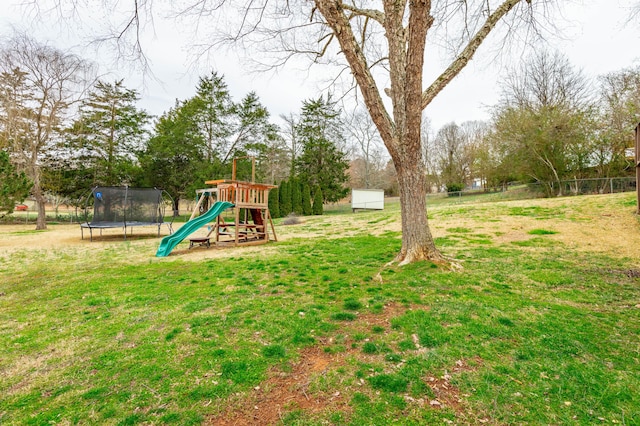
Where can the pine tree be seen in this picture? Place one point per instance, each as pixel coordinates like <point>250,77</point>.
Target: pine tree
<point>172,158</point>
<point>274,202</point>
<point>212,110</point>
<point>306,199</point>
<point>317,200</point>
<point>109,131</point>
<point>321,161</point>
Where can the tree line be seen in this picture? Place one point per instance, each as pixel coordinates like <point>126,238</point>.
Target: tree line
<point>63,132</point>
<point>551,124</point>
<point>66,132</point>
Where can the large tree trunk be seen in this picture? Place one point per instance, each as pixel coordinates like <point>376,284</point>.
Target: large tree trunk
<point>176,206</point>
<point>41,221</point>
<point>417,242</point>
<point>34,173</point>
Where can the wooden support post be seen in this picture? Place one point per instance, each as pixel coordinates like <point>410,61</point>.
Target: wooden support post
<point>253,168</point>
<point>237,225</point>
<point>273,229</point>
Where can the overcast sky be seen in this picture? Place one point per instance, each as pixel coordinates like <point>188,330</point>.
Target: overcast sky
<point>598,40</point>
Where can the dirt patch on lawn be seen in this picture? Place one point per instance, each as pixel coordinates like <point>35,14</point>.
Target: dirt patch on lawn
<point>292,389</point>
<point>284,392</point>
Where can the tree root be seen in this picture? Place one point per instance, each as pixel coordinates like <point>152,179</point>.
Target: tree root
<point>444,262</point>
<point>437,258</point>
<point>378,276</point>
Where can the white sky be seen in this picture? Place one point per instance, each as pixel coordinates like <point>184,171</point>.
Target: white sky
<point>597,42</point>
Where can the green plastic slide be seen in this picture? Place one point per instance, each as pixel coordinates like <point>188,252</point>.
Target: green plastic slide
<point>169,242</point>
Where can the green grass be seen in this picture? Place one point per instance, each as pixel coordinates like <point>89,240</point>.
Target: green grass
<point>542,232</point>
<point>528,333</point>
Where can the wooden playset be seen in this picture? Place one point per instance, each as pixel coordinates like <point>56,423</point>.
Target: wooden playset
<point>249,221</point>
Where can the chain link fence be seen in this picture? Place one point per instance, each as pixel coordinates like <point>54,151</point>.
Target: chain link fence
<point>518,190</point>
<point>597,186</point>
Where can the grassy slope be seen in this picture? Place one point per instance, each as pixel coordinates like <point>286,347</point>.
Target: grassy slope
<point>530,332</point>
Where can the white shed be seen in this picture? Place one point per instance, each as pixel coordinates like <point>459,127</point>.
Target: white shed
<point>369,199</point>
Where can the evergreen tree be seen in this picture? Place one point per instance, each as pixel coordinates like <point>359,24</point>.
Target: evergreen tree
<point>317,200</point>
<point>14,186</point>
<point>225,129</point>
<point>281,203</point>
<point>306,199</point>
<point>173,157</point>
<point>109,132</point>
<point>211,110</point>
<point>285,198</point>
<point>296,196</point>
<point>321,161</point>
<point>274,202</point>
<point>252,132</point>
<point>69,179</point>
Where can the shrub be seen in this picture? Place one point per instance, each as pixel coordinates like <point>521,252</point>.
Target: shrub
<point>274,202</point>
<point>454,187</point>
<point>317,200</point>
<point>296,196</point>
<point>285,198</point>
<point>306,200</point>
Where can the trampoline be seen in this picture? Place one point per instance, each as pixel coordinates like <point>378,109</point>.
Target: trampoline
<point>124,207</point>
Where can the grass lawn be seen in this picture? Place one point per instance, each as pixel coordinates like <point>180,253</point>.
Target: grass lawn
<point>542,325</point>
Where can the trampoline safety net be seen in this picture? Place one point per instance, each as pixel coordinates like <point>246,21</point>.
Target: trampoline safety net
<point>129,205</point>
<point>124,207</point>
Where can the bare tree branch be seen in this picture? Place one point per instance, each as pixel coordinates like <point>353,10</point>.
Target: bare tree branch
<point>467,54</point>
<point>339,23</point>
<point>376,15</point>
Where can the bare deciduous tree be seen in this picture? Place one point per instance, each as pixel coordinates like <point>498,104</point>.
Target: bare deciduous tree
<point>44,83</point>
<point>366,148</point>
<point>634,12</point>
<point>291,137</point>
<point>620,113</point>
<point>274,159</point>
<point>405,26</point>
<point>451,155</point>
<point>429,156</point>
<point>455,150</point>
<point>544,118</point>
<point>545,80</point>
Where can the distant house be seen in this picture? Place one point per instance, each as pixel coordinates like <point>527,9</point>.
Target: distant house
<point>478,183</point>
